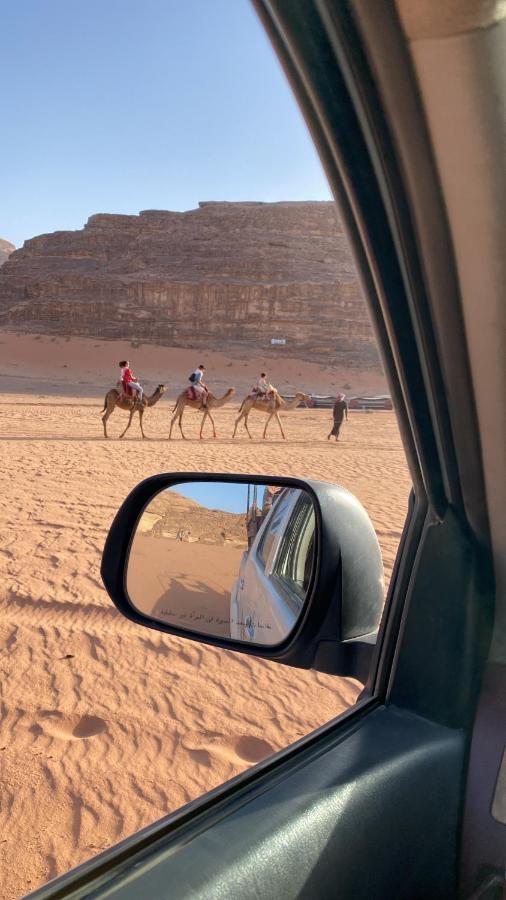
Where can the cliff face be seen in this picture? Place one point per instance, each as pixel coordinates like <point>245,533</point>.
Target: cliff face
<point>6,248</point>
<point>225,276</point>
<point>170,511</point>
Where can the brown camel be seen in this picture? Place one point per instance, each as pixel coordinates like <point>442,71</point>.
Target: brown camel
<point>212,403</point>
<point>269,406</point>
<point>116,398</point>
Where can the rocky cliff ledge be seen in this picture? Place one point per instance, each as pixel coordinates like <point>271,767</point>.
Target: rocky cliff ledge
<point>6,248</point>
<point>225,276</point>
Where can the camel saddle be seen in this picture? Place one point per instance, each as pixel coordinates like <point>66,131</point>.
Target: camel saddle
<point>192,394</point>
<point>125,390</point>
<point>263,395</point>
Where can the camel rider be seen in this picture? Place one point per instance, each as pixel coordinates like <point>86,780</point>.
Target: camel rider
<point>129,383</point>
<point>200,388</point>
<point>263,388</point>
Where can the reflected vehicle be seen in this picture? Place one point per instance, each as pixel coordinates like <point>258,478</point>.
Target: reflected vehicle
<point>275,573</point>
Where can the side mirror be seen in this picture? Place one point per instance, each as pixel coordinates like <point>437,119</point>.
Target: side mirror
<point>279,568</point>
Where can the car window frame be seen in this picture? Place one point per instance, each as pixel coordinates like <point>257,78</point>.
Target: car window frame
<point>267,561</point>
<point>431,490</point>
<point>285,545</point>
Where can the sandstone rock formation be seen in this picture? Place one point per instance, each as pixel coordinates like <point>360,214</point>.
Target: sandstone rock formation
<point>171,513</point>
<point>6,248</point>
<point>225,276</point>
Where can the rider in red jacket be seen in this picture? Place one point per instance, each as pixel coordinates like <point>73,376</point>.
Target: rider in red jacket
<point>130,384</point>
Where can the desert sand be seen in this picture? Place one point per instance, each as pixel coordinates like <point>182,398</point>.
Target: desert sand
<point>107,726</point>
<point>176,582</point>
<point>86,368</point>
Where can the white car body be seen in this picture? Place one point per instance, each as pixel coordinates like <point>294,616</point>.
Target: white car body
<point>268,596</point>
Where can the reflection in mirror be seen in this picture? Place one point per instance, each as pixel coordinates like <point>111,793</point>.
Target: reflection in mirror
<point>225,559</point>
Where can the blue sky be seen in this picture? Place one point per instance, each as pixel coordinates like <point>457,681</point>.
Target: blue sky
<point>216,495</point>
<point>123,105</point>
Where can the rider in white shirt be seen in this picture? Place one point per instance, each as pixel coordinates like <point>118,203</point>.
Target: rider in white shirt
<point>263,387</point>
<point>199,386</point>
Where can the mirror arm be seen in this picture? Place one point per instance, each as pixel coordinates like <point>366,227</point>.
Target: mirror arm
<point>351,659</point>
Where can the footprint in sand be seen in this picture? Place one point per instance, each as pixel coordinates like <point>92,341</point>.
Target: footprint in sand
<point>252,749</point>
<point>201,757</point>
<point>237,750</point>
<point>68,728</point>
<point>243,749</point>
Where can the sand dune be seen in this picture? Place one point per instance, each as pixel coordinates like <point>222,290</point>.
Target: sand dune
<point>40,364</point>
<point>106,726</point>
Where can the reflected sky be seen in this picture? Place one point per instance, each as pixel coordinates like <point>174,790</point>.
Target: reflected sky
<point>219,495</point>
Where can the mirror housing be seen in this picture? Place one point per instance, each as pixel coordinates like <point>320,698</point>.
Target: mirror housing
<point>338,627</point>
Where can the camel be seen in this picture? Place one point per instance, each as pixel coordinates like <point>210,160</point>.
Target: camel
<point>115,398</point>
<point>212,403</point>
<point>269,406</point>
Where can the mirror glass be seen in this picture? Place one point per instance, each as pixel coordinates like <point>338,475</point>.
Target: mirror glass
<point>226,559</point>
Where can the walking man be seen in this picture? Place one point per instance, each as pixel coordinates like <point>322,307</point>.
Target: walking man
<point>340,411</point>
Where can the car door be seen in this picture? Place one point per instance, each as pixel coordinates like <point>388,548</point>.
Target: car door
<point>374,803</point>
